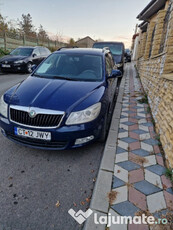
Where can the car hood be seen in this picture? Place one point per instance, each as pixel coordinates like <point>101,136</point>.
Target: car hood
<point>117,59</point>
<point>52,94</point>
<point>11,58</point>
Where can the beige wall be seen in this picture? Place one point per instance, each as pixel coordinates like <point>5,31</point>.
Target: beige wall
<point>156,74</point>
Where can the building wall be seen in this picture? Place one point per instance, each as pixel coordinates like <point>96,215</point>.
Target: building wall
<point>85,43</point>
<point>155,66</point>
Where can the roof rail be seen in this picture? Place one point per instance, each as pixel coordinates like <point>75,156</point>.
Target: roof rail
<point>67,47</point>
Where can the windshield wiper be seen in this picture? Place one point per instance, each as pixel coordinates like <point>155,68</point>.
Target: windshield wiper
<point>37,75</point>
<point>64,78</point>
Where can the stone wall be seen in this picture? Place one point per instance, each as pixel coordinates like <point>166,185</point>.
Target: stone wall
<point>155,66</point>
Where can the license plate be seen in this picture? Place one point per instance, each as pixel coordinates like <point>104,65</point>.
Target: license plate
<point>6,66</point>
<point>32,134</point>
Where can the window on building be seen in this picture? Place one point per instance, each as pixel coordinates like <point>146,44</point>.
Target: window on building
<point>165,26</point>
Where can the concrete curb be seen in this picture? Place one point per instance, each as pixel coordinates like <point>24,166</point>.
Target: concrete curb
<point>99,202</point>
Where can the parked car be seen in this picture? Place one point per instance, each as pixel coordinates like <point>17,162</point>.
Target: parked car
<point>127,55</point>
<point>64,103</point>
<point>117,49</point>
<point>22,58</point>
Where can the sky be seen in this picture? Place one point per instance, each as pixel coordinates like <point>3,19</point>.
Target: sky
<point>109,20</point>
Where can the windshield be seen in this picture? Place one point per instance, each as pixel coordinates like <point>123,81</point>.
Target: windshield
<point>115,48</point>
<point>83,67</point>
<point>22,52</point>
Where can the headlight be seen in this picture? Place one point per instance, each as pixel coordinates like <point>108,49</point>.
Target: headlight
<point>85,115</point>
<point>3,107</point>
<point>18,62</point>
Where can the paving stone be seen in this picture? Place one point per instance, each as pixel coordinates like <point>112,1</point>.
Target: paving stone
<point>124,134</point>
<point>121,195</point>
<point>169,199</point>
<point>122,126</point>
<point>150,160</point>
<point>169,190</point>
<point>153,178</point>
<point>136,176</point>
<point>122,144</point>
<point>129,165</point>
<point>158,169</point>
<point>144,136</point>
<point>120,150</point>
<point>166,182</point>
<point>134,135</point>
<point>138,227</point>
<point>146,147</point>
<point>151,142</point>
<point>137,198</point>
<point>156,149</point>
<point>160,160</point>
<point>124,119</point>
<point>139,117</point>
<point>121,157</point>
<point>145,128</point>
<point>128,123</point>
<point>116,226</point>
<point>117,182</point>
<point>125,208</point>
<point>139,131</point>
<point>148,124</point>
<point>142,121</point>
<point>133,127</point>
<point>141,152</point>
<point>121,173</point>
<point>162,213</point>
<point>122,130</point>
<point>128,140</point>
<point>156,202</point>
<point>134,145</point>
<point>122,116</point>
<point>146,187</point>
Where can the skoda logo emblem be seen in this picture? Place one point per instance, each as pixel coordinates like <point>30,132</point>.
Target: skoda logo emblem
<point>6,62</point>
<point>32,114</point>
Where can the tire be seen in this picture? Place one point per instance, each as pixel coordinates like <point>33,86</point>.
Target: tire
<point>104,131</point>
<point>28,67</point>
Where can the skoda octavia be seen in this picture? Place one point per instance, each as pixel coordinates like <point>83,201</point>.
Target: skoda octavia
<point>65,103</point>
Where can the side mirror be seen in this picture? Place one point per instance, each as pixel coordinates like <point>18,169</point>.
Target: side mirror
<point>115,73</point>
<point>33,67</point>
<point>34,55</point>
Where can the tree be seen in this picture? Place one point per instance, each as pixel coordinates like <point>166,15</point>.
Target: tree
<point>26,26</point>
<point>3,24</point>
<point>43,36</point>
<point>71,42</point>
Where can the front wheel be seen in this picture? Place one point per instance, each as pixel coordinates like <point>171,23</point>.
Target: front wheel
<point>104,131</point>
<point>29,67</point>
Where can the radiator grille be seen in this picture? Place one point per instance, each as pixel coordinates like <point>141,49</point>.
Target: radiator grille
<point>40,120</point>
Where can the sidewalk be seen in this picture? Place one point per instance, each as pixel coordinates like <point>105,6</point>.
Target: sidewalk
<point>132,167</point>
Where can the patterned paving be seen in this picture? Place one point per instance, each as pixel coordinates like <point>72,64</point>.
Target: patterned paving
<point>139,178</point>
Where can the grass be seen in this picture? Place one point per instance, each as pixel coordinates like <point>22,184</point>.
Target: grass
<point>143,100</point>
<point>169,174</point>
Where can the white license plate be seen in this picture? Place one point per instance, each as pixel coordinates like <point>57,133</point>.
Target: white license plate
<point>32,134</point>
<point>6,66</point>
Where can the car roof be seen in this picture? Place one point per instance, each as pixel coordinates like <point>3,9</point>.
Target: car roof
<point>93,51</point>
<point>31,47</point>
<point>106,42</point>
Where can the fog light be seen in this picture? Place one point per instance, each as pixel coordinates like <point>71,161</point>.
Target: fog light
<point>83,140</point>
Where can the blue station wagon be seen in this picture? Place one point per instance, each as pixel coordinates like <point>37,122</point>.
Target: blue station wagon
<point>65,103</point>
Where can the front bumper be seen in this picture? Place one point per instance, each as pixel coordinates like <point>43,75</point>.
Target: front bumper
<point>14,67</point>
<point>63,137</point>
